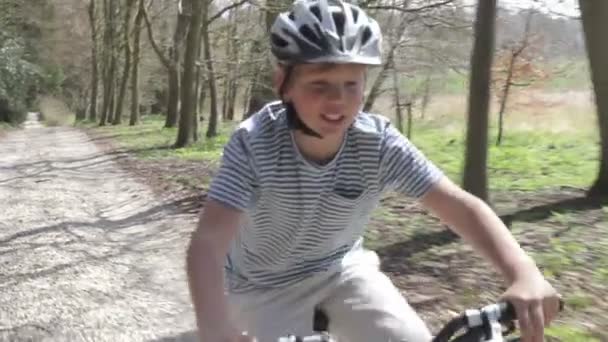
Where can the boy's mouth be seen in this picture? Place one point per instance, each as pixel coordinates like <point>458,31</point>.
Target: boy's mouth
<point>333,118</point>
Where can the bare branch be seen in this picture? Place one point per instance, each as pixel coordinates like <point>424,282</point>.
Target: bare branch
<point>226,9</point>
<point>161,56</point>
<point>405,9</point>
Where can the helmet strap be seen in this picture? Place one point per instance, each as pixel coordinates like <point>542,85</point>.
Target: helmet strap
<point>293,119</point>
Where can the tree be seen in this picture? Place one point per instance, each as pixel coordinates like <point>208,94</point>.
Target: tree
<point>188,93</point>
<point>594,15</point>
<point>515,67</point>
<point>213,115</point>
<point>475,176</point>
<point>231,84</point>
<point>22,73</point>
<point>385,68</point>
<point>94,66</point>
<point>172,62</point>
<point>261,87</point>
<point>134,118</point>
<point>109,63</point>
<point>126,45</point>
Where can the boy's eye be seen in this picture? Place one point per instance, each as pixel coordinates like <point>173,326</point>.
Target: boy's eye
<point>352,85</point>
<point>319,87</point>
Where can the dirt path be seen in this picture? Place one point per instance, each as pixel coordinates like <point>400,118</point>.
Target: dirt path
<point>87,253</point>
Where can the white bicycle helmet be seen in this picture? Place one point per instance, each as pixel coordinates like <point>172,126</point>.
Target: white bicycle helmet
<point>326,31</point>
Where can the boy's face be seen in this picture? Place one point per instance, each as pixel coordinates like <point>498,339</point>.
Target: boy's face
<point>327,97</point>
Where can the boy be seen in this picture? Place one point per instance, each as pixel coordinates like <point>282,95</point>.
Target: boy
<point>286,212</point>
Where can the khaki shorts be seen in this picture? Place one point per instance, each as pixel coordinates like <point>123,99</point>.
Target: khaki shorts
<point>361,302</point>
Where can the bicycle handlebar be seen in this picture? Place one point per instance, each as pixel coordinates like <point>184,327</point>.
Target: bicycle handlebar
<point>317,338</point>
<point>480,319</point>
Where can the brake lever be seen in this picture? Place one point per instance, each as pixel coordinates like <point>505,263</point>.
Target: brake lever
<point>472,335</point>
<point>510,328</point>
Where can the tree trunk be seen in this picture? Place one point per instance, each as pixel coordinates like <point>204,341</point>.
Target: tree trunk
<point>426,95</point>
<point>173,96</point>
<point>110,62</point>
<point>175,71</point>
<point>475,176</point>
<point>201,98</point>
<point>107,60</point>
<point>198,84</point>
<point>211,85</point>
<point>188,94</point>
<point>94,66</point>
<point>81,104</point>
<point>595,26</point>
<point>397,101</point>
<point>113,81</point>
<point>195,115</point>
<point>376,88</point>
<point>504,97</point>
<point>261,91</point>
<point>126,44</point>
<point>410,120</point>
<point>213,112</point>
<point>134,118</point>
<point>246,96</point>
<point>234,71</point>
<point>171,63</point>
<point>256,94</point>
<point>234,88</point>
<point>388,64</point>
<point>514,55</point>
<point>231,64</point>
<point>225,94</point>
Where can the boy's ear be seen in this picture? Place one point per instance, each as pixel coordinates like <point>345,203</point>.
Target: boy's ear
<point>278,77</point>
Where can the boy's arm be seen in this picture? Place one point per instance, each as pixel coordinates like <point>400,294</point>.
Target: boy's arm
<point>218,225</point>
<point>535,301</point>
<point>228,198</point>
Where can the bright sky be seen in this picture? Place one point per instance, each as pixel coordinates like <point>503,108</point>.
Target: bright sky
<point>567,7</point>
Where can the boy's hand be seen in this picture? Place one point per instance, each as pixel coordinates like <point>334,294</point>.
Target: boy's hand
<point>536,304</point>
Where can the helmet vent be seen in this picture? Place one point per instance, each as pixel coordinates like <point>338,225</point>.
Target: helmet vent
<point>339,20</point>
<point>367,34</point>
<point>308,33</point>
<point>355,14</point>
<point>317,12</point>
<point>278,41</point>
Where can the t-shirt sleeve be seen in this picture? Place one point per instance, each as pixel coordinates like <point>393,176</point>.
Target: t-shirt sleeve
<point>403,167</point>
<point>235,180</point>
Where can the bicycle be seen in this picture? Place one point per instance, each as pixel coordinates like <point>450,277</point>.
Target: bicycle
<point>485,324</point>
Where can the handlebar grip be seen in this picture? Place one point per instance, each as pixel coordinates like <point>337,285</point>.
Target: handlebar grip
<point>508,313</point>
<point>314,338</point>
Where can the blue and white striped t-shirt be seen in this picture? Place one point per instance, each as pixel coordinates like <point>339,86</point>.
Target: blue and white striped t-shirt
<point>303,217</point>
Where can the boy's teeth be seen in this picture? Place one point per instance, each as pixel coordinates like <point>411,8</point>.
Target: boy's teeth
<point>333,116</point>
